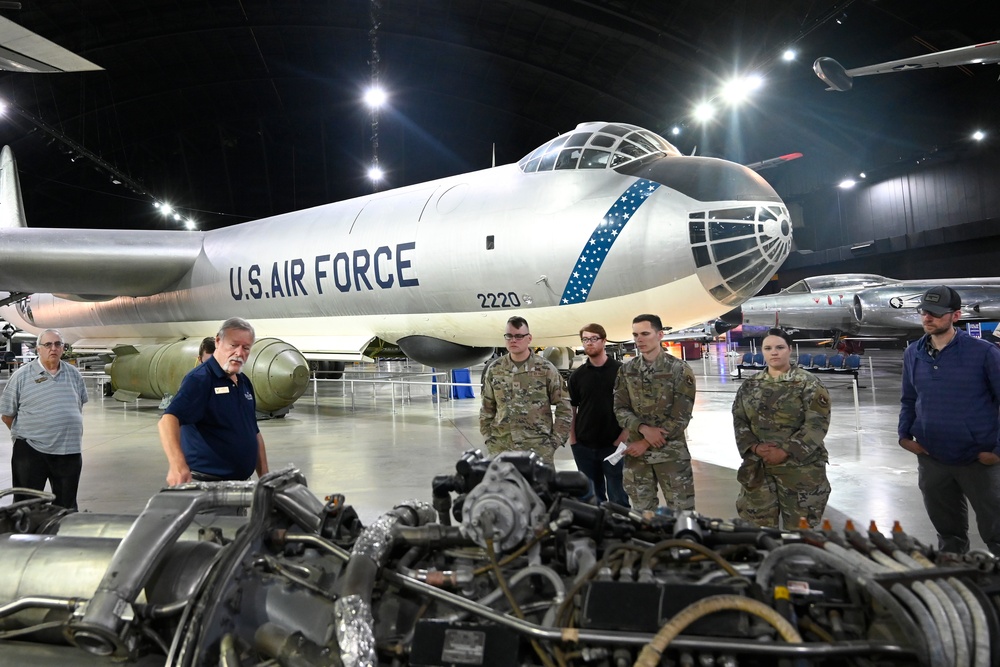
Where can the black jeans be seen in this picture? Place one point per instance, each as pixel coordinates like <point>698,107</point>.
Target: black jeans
<point>31,468</point>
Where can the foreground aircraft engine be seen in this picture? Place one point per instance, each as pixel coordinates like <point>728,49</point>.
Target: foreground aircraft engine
<point>279,372</point>
<point>504,568</point>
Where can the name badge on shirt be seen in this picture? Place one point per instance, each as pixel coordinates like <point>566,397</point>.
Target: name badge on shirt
<point>222,390</point>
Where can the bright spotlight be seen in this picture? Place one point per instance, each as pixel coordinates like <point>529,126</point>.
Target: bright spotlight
<point>740,88</point>
<point>375,97</point>
<point>3,107</point>
<point>846,184</point>
<point>978,135</point>
<point>375,173</point>
<point>704,112</point>
<point>189,223</point>
<point>165,209</point>
<point>863,175</point>
<point>675,130</point>
<point>789,55</point>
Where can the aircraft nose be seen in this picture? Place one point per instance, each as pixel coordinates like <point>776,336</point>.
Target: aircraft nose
<point>738,227</point>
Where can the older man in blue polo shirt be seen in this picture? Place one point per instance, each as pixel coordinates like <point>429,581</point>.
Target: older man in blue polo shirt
<point>42,405</point>
<point>209,432</point>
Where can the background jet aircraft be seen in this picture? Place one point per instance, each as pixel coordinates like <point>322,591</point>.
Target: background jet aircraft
<point>599,224</point>
<point>866,305</point>
<point>835,76</point>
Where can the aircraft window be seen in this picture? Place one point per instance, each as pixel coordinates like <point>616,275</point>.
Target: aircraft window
<point>798,288</point>
<point>530,166</point>
<point>594,159</point>
<point>766,214</point>
<point>728,249</point>
<point>568,158</point>
<point>619,159</point>
<point>721,293</point>
<point>728,230</point>
<point>632,150</point>
<point>578,139</point>
<point>731,267</point>
<point>641,141</point>
<point>697,230</point>
<point>603,140</point>
<point>749,214</point>
<point>548,161</point>
<point>701,257</point>
<point>616,130</point>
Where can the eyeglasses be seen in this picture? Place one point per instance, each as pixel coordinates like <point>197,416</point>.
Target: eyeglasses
<point>55,344</point>
<point>515,336</point>
<point>590,339</point>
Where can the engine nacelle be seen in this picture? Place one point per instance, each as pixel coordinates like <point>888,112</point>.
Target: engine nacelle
<point>442,353</point>
<point>279,372</point>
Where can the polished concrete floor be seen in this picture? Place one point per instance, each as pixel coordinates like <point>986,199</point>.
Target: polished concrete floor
<point>379,436</point>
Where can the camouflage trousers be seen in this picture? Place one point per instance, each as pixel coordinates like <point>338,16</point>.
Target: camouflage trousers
<point>674,478</point>
<point>790,492</point>
<point>505,444</point>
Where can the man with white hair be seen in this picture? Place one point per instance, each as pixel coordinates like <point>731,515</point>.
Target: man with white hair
<point>42,405</point>
<point>209,431</point>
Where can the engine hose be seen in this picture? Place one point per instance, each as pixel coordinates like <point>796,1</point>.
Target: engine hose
<point>517,577</point>
<point>652,652</point>
<point>941,621</point>
<point>649,554</point>
<point>929,631</point>
<point>850,571</point>
<point>958,609</point>
<point>980,630</point>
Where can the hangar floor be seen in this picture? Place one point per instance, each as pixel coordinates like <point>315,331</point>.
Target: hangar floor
<point>382,439</point>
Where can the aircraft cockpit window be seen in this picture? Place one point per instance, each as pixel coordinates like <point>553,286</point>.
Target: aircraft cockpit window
<point>568,158</point>
<point>798,288</point>
<point>632,150</point>
<point>603,140</point>
<point>616,130</point>
<point>548,161</point>
<point>605,145</point>
<point>594,159</point>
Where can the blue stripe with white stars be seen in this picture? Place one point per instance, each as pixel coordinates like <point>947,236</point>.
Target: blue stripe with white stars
<point>604,236</point>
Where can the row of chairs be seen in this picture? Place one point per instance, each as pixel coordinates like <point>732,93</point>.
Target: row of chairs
<point>818,363</point>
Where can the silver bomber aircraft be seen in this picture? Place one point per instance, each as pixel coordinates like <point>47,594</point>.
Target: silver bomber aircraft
<point>599,224</point>
<point>866,305</point>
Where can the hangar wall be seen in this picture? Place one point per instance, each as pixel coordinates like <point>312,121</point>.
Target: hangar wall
<point>941,219</point>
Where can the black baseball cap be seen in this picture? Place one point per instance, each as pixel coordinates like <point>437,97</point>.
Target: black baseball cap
<point>940,300</point>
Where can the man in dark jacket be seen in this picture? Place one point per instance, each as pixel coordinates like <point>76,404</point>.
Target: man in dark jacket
<point>950,418</point>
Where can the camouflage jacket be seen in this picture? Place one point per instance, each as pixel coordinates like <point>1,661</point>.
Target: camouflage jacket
<point>791,410</point>
<point>662,396</point>
<point>516,405</point>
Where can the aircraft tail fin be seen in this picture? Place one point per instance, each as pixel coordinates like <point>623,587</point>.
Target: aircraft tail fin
<point>11,206</point>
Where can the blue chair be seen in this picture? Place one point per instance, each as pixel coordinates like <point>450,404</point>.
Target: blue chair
<point>758,360</point>
<point>836,362</point>
<point>819,361</point>
<point>852,363</point>
<point>805,360</point>
<point>747,359</point>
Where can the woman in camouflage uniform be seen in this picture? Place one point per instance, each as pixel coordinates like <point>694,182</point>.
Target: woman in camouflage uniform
<point>781,416</point>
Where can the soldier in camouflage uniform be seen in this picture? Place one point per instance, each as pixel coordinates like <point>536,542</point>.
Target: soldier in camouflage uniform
<point>781,416</point>
<point>654,398</point>
<point>518,390</point>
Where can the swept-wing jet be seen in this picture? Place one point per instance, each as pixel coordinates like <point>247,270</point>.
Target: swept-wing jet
<point>597,225</point>
<point>834,75</point>
<point>866,305</point>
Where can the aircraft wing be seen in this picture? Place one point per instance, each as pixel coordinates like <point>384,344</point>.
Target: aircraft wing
<point>132,263</point>
<point>835,76</point>
<point>23,51</point>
